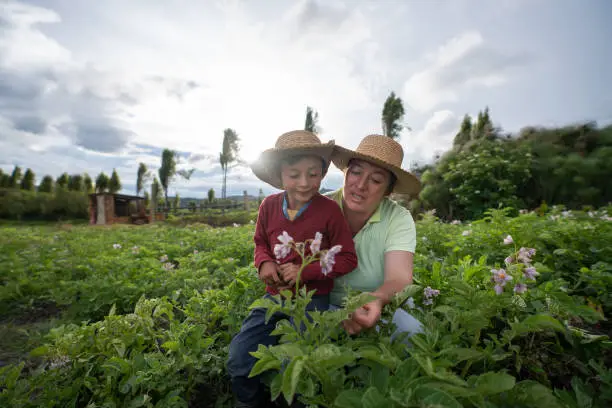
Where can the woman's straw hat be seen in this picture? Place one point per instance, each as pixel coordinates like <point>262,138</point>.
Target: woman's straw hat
<point>384,152</point>
<point>296,142</point>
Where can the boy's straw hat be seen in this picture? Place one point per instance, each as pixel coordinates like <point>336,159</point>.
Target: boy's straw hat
<point>384,152</point>
<point>296,142</point>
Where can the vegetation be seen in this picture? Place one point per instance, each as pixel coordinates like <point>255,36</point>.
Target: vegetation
<point>228,155</point>
<point>312,120</point>
<point>392,116</point>
<point>143,316</point>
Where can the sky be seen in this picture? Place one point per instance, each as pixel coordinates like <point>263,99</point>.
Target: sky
<point>96,86</point>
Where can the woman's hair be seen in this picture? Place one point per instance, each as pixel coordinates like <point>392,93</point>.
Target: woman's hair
<point>392,182</point>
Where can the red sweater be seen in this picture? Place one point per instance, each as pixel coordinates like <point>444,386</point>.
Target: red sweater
<point>322,215</point>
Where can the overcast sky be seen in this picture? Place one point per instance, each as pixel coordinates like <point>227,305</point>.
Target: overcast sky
<point>96,85</point>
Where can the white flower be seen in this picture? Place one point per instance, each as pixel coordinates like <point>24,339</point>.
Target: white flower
<point>315,245</point>
<point>328,260</point>
<point>164,258</point>
<point>117,246</point>
<point>284,248</point>
<point>508,240</point>
<point>466,233</point>
<point>410,302</point>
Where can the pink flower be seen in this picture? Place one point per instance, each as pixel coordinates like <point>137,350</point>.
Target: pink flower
<point>530,273</point>
<point>284,248</point>
<point>328,259</point>
<point>315,245</point>
<point>508,240</point>
<point>520,288</point>
<point>525,254</point>
<point>500,277</point>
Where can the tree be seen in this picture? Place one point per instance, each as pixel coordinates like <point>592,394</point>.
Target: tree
<point>465,132</point>
<point>101,183</point>
<point>62,181</point>
<point>176,203</point>
<point>168,171</point>
<point>147,198</point>
<point>4,179</point>
<point>114,184</point>
<point>392,115</point>
<point>211,195</point>
<point>27,182</point>
<point>87,183</point>
<point>46,185</point>
<point>75,183</point>
<point>312,119</point>
<point>261,196</point>
<point>15,179</point>
<point>142,177</point>
<point>228,155</point>
<point>155,193</point>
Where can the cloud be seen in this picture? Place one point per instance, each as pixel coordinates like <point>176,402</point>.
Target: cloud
<point>463,63</point>
<point>436,137</point>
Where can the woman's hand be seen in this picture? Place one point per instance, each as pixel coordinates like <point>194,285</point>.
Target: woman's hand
<point>365,317</point>
<point>289,273</point>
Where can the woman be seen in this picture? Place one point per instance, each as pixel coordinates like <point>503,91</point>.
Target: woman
<point>383,231</point>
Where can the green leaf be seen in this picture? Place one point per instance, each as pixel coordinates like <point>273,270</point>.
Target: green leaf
<point>372,398</point>
<point>267,362</point>
<point>433,397</point>
<point>276,386</point>
<point>39,351</point>
<point>533,395</point>
<point>291,377</point>
<point>331,357</point>
<point>349,399</point>
<point>460,354</point>
<point>493,383</point>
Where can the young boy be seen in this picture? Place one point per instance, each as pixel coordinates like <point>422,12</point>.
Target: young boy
<point>297,165</point>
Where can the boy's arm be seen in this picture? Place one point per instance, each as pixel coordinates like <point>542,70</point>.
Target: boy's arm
<point>263,252</point>
<point>346,259</point>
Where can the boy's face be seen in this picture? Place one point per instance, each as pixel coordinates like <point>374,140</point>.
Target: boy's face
<point>302,179</point>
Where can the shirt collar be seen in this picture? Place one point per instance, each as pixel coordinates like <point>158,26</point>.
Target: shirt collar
<point>285,208</point>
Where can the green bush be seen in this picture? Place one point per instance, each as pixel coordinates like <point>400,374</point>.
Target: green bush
<point>29,205</point>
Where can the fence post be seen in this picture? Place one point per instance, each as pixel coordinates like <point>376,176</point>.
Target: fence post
<point>246,201</point>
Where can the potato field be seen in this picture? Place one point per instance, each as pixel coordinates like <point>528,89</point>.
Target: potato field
<point>515,313</point>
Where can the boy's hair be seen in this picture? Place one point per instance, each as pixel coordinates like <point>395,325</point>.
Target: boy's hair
<point>291,160</point>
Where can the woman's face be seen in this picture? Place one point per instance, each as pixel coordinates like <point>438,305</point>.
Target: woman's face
<point>365,185</point>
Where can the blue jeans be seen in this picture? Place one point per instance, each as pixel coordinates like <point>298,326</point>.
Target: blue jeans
<point>255,331</point>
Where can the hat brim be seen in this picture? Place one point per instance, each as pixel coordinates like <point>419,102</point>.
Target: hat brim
<point>406,183</point>
<point>266,167</point>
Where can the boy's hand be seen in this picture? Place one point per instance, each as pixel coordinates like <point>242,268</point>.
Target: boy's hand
<point>268,273</point>
<point>289,272</point>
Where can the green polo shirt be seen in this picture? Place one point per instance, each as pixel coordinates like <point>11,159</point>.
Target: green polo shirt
<point>390,228</point>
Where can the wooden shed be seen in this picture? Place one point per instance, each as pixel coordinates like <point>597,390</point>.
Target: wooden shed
<point>108,208</point>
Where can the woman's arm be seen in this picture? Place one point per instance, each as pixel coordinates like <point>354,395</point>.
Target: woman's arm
<point>398,274</point>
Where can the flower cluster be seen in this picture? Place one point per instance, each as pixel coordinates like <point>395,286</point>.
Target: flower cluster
<point>326,257</point>
<point>519,263</point>
<point>429,295</point>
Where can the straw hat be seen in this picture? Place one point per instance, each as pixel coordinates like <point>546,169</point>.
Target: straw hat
<point>296,142</point>
<point>384,152</point>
